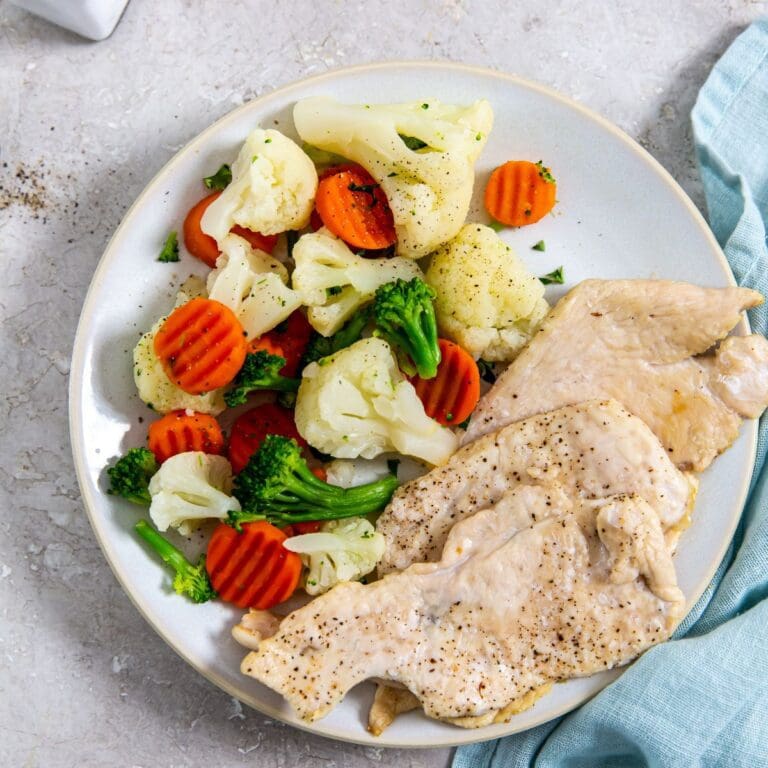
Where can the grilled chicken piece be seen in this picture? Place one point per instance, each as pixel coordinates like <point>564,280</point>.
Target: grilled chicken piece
<point>537,588</point>
<point>254,627</point>
<point>389,702</point>
<point>642,343</point>
<point>593,450</point>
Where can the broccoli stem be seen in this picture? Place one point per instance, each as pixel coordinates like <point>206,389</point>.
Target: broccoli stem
<point>353,330</point>
<point>420,339</point>
<point>349,502</point>
<point>310,489</point>
<point>420,344</point>
<point>277,485</point>
<point>284,384</point>
<point>190,580</point>
<point>168,553</point>
<point>281,519</point>
<point>303,504</point>
<point>322,346</point>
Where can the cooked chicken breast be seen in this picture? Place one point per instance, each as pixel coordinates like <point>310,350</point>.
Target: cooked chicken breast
<point>538,587</point>
<point>642,343</point>
<point>389,702</point>
<point>254,627</point>
<point>592,450</point>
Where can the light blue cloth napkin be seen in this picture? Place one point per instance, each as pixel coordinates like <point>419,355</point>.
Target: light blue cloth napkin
<point>701,700</point>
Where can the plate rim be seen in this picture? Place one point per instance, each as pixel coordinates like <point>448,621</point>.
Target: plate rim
<point>77,366</point>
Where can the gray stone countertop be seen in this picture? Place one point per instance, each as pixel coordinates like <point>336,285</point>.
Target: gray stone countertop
<point>83,127</point>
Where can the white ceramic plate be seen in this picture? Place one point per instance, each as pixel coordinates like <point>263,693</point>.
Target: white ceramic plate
<point>619,215</point>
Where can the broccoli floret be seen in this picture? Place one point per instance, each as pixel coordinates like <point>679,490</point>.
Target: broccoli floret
<point>130,476</point>
<point>334,283</point>
<point>322,346</point>
<point>260,371</point>
<point>190,580</point>
<point>277,485</point>
<point>405,317</point>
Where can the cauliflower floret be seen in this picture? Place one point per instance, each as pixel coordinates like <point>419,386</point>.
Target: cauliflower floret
<point>192,288</point>
<point>191,487</point>
<point>343,550</point>
<point>428,189</point>
<point>487,300</point>
<point>253,285</point>
<point>272,189</point>
<point>357,403</point>
<point>333,282</point>
<point>153,384</point>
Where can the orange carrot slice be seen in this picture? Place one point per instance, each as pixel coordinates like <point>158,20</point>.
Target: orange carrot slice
<point>261,242</point>
<point>250,429</point>
<point>299,529</point>
<point>180,431</point>
<point>320,474</point>
<point>200,245</point>
<point>204,247</point>
<point>451,396</point>
<point>252,569</point>
<point>289,340</point>
<point>520,192</point>
<point>353,206</point>
<point>201,346</point>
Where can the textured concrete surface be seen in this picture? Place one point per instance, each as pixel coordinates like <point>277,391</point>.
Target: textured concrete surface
<point>83,127</point>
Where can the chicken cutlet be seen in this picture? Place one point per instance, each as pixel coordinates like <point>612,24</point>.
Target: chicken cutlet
<point>641,342</point>
<point>592,450</point>
<point>540,586</point>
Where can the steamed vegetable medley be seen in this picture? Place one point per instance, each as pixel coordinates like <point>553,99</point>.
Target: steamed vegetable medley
<point>341,335</point>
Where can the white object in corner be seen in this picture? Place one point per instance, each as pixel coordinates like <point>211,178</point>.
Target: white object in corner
<point>94,19</point>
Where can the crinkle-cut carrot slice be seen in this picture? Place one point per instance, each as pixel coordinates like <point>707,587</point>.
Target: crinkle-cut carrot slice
<point>520,192</point>
<point>353,206</point>
<point>201,346</point>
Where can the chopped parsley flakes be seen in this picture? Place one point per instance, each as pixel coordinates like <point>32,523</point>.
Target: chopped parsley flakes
<point>555,277</point>
<point>220,179</point>
<point>412,142</point>
<point>170,251</point>
<point>545,173</point>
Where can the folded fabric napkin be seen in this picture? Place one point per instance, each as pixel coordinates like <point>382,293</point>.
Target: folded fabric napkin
<point>700,699</point>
